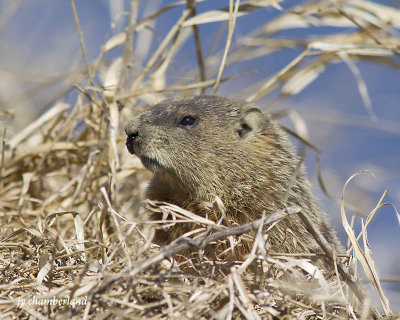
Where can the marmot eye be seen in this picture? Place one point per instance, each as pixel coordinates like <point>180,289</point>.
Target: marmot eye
<point>187,121</point>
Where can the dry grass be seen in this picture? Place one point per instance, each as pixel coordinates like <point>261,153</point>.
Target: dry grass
<point>70,194</point>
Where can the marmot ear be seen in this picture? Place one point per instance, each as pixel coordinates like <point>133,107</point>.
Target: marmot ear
<point>253,122</point>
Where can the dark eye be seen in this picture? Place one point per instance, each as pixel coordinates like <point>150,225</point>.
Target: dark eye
<point>187,121</point>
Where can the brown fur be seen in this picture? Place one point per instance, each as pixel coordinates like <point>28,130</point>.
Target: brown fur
<point>233,151</point>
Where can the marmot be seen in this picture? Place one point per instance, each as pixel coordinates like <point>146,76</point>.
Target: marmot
<point>205,146</point>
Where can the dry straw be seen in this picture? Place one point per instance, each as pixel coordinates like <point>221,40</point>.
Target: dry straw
<point>71,230</point>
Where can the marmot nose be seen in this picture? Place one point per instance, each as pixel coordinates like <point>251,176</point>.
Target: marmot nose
<point>131,130</point>
<point>132,135</point>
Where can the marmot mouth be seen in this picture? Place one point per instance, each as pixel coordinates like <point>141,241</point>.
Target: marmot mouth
<point>151,164</point>
<point>129,144</point>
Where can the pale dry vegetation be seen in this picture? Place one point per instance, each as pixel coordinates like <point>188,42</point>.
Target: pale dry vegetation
<point>70,194</point>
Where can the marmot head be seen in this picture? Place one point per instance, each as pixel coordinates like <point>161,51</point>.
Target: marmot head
<point>201,141</point>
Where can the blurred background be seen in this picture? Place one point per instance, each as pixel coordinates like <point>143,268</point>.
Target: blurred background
<point>341,90</point>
